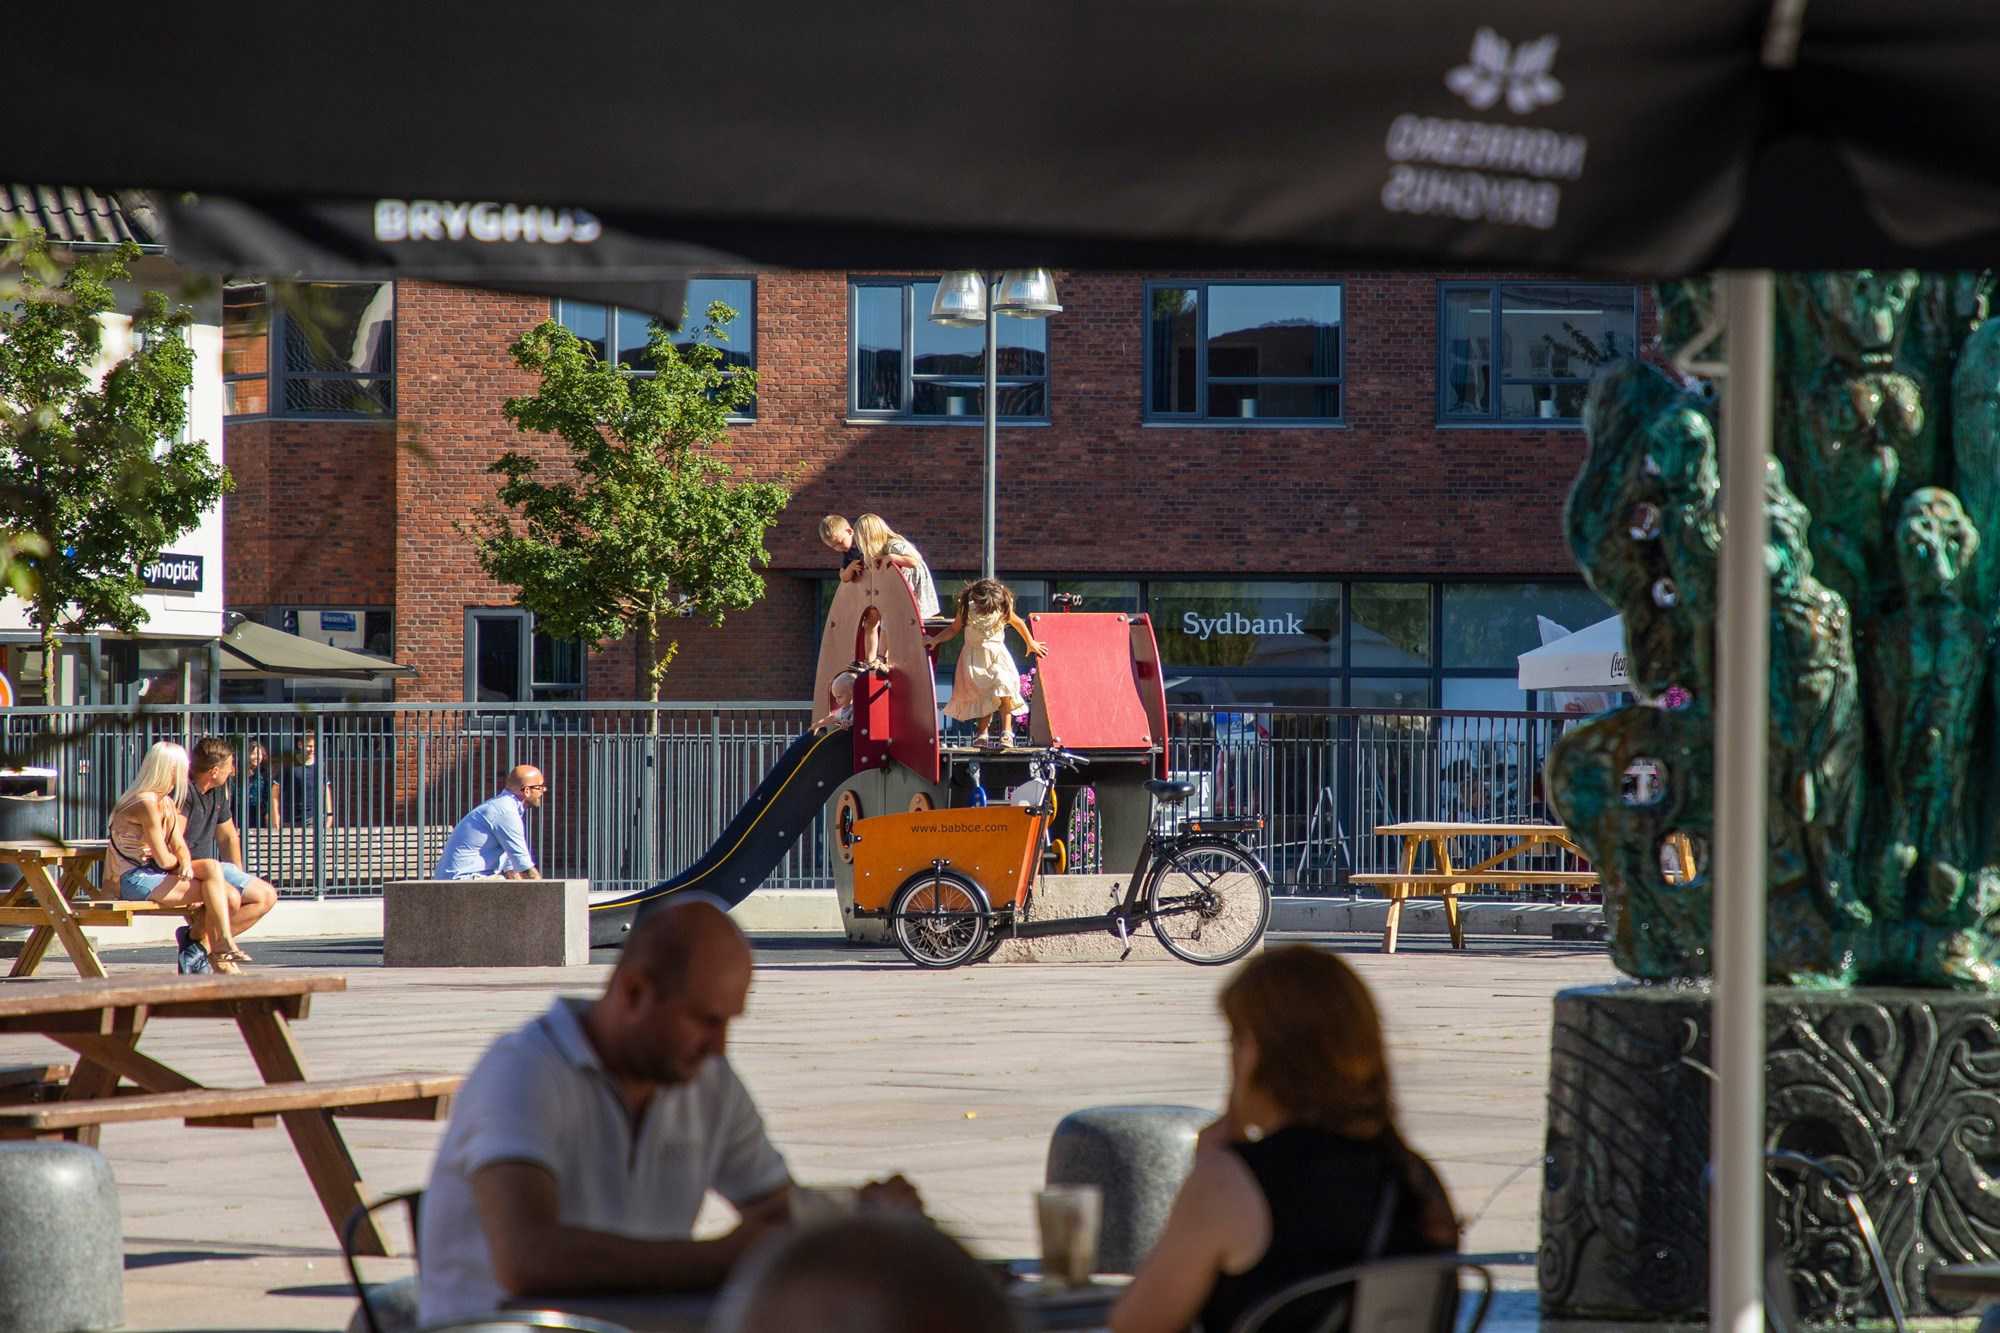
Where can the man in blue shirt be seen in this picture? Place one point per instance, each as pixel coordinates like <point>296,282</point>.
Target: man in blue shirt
<point>492,841</point>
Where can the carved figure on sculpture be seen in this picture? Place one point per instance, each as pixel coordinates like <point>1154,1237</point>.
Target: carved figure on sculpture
<point>1926,669</point>
<point>1846,416</point>
<point>1816,737</point>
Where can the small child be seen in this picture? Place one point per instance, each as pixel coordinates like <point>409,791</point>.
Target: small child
<point>837,534</point>
<point>840,700</point>
<point>881,546</point>
<point>987,685</point>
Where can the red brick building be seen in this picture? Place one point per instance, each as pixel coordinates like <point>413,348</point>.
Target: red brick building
<point>1328,488</point>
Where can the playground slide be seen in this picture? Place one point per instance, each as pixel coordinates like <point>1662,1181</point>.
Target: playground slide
<point>778,812</point>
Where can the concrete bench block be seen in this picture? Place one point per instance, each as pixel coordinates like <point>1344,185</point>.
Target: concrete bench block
<point>62,1256</point>
<point>486,923</point>
<point>1138,1156</point>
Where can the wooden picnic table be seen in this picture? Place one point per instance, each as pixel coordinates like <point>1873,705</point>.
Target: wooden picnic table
<point>1449,879</point>
<point>102,1023</point>
<point>56,899</point>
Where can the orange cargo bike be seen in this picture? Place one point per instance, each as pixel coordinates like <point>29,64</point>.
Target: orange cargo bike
<point>956,883</point>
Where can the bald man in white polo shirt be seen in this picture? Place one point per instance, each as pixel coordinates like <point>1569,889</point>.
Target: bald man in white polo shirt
<point>582,1145</point>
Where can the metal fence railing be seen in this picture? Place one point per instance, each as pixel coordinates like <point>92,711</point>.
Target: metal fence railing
<point>637,793</point>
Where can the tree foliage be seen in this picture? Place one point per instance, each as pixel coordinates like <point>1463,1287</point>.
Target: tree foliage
<point>646,523</point>
<point>95,479</point>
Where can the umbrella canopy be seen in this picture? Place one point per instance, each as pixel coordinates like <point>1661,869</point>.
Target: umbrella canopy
<point>1648,140</point>
<point>251,650</point>
<point>1593,658</point>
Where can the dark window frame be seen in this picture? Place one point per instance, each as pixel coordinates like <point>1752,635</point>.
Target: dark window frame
<point>1492,419</point>
<point>277,373</point>
<point>903,416</point>
<point>527,682</point>
<point>1199,418</point>
<point>747,414</point>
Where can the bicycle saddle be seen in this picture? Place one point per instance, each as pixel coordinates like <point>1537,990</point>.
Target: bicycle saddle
<point>1169,791</point>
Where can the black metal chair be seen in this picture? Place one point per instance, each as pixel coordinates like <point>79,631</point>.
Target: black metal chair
<point>1780,1309</point>
<point>1418,1294</point>
<point>412,1200</point>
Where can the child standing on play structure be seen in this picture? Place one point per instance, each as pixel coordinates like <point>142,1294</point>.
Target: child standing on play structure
<point>988,684</point>
<point>881,546</point>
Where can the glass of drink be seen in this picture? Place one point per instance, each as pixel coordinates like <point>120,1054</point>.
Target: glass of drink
<point>1068,1217</point>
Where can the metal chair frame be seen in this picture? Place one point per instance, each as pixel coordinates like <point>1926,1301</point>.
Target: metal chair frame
<point>1359,1277</point>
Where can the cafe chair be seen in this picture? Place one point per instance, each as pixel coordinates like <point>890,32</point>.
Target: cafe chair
<point>1418,1294</point>
<point>1780,1309</point>
<point>386,1307</point>
<point>512,1321</point>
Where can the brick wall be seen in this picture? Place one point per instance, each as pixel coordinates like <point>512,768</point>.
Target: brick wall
<point>1096,491</point>
<point>312,520</point>
<point>452,375</point>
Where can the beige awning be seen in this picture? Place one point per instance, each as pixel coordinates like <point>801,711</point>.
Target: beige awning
<point>254,650</point>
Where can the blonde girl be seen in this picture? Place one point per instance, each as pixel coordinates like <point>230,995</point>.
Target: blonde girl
<point>881,546</point>
<point>148,858</point>
<point>987,685</point>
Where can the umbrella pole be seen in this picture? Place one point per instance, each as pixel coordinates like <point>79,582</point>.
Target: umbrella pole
<point>1736,1230</point>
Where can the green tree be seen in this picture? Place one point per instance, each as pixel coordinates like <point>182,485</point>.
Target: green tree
<point>95,480</point>
<point>647,524</point>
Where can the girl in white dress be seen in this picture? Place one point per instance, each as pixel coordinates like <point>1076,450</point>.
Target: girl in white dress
<point>987,686</point>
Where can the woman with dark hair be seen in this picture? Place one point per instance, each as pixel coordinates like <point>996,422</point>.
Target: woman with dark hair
<point>1304,1173</point>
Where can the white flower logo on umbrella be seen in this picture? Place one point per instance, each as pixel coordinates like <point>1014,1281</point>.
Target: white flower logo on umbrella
<point>1496,66</point>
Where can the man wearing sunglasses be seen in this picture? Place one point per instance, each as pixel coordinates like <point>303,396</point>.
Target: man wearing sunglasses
<point>492,841</point>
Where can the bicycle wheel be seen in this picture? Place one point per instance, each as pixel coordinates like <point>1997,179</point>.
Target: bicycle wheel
<point>1208,901</point>
<point>938,918</point>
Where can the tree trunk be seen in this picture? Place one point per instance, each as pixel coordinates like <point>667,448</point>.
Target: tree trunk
<point>51,654</point>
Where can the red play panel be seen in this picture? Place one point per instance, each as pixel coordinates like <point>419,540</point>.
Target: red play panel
<point>1091,690</point>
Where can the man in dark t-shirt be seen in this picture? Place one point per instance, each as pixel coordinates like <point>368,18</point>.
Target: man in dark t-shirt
<point>212,834</point>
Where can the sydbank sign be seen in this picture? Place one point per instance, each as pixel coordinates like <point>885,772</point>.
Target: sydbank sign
<point>1235,624</point>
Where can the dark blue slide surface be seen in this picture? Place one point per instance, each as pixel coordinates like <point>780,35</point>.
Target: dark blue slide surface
<point>777,813</point>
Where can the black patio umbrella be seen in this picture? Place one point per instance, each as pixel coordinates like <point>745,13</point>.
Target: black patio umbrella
<point>1649,141</point>
<point>1644,140</point>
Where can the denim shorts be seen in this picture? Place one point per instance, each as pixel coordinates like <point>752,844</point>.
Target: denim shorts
<point>238,878</point>
<point>138,883</point>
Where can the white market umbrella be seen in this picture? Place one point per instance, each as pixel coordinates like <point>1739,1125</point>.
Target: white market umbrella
<point>1593,658</point>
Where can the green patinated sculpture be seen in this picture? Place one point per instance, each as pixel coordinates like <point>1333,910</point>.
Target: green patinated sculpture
<point>1884,856</point>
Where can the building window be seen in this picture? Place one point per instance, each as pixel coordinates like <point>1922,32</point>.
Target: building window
<point>508,660</point>
<point>1527,352</point>
<point>1268,352</point>
<point>618,334</point>
<point>902,367</point>
<point>246,350</point>
<point>326,349</point>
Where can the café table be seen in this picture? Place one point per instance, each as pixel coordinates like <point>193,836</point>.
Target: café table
<point>1039,1307</point>
<point>102,1022</point>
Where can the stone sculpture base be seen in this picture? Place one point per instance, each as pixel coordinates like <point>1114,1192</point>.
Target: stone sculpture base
<point>1896,1090</point>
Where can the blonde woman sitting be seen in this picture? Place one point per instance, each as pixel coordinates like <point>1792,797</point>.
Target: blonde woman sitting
<point>149,861</point>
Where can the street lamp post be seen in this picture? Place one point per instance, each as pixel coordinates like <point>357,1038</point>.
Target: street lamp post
<point>964,301</point>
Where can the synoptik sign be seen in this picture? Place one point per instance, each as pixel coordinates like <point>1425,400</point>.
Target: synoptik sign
<point>1233,623</point>
<point>172,572</point>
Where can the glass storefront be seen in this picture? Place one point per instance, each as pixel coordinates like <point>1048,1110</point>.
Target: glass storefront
<point>1310,643</point>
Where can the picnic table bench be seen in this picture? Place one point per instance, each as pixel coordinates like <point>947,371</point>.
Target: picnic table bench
<point>1448,881</point>
<point>102,1022</point>
<point>56,899</point>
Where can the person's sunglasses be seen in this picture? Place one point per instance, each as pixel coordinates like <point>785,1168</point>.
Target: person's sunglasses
<point>536,786</point>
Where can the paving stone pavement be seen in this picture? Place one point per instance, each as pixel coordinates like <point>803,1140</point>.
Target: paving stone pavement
<point>862,1065</point>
